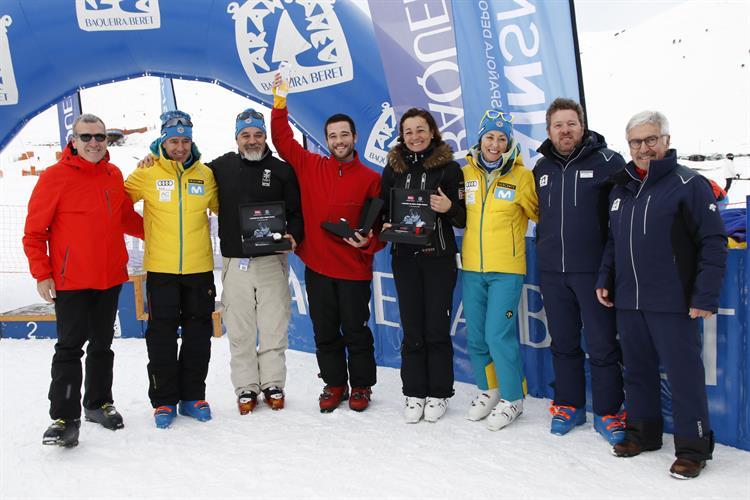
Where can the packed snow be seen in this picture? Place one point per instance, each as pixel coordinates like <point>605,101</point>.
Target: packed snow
<point>300,453</point>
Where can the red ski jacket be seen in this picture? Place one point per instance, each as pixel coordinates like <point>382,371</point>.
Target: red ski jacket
<point>81,210</point>
<point>330,190</point>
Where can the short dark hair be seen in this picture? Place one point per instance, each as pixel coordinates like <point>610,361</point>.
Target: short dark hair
<point>427,116</point>
<point>339,117</point>
<point>563,103</point>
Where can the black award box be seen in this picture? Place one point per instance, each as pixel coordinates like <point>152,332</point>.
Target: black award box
<point>412,219</point>
<point>367,217</point>
<point>263,226</point>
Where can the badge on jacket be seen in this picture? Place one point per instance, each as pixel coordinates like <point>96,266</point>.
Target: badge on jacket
<point>196,187</point>
<point>266,181</point>
<point>543,180</point>
<point>615,205</point>
<point>505,194</point>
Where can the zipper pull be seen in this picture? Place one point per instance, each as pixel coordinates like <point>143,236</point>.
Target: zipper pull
<point>341,173</point>
<point>408,181</point>
<point>424,180</point>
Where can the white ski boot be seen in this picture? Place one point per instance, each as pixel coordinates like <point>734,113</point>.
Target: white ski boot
<point>504,413</point>
<point>435,408</point>
<point>483,404</point>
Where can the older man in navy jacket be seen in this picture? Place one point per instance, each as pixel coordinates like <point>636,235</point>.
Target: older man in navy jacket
<point>665,262</point>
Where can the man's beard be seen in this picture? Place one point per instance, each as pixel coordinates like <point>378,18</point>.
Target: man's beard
<point>253,155</point>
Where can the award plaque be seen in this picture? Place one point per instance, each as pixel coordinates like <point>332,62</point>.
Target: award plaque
<point>367,217</point>
<point>263,226</point>
<point>412,219</point>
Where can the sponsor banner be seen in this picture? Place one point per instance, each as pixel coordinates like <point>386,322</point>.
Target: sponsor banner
<point>67,111</point>
<point>8,88</point>
<point>166,91</point>
<point>518,57</point>
<point>422,67</point>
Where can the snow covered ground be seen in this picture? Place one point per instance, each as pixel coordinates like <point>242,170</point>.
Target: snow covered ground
<point>301,453</point>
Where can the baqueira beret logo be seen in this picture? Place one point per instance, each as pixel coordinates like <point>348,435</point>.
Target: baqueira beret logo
<point>8,89</point>
<point>304,33</point>
<point>382,137</point>
<point>118,15</point>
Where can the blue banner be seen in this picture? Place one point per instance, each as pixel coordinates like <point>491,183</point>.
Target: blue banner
<point>166,90</point>
<point>67,111</point>
<point>518,57</point>
<point>421,69</point>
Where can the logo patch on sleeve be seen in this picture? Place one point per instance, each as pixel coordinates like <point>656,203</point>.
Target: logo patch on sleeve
<point>543,180</point>
<point>615,205</point>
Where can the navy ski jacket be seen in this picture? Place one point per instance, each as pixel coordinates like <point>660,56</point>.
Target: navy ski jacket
<point>667,247</point>
<point>572,229</point>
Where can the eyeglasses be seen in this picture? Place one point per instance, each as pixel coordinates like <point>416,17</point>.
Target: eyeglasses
<point>88,137</point>
<point>250,113</point>
<point>650,141</point>
<point>494,114</point>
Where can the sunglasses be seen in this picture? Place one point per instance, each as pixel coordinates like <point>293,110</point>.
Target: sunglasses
<point>493,114</point>
<point>250,114</point>
<point>88,137</point>
<point>177,120</point>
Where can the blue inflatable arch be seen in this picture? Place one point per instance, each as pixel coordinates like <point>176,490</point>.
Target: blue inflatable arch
<point>49,50</point>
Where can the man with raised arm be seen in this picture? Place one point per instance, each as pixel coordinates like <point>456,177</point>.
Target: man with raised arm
<point>338,270</point>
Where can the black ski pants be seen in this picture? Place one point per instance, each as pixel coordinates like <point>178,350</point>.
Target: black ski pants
<point>339,310</point>
<point>174,301</point>
<point>424,286</point>
<point>83,316</point>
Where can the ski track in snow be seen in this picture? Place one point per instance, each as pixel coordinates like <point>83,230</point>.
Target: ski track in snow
<point>301,453</point>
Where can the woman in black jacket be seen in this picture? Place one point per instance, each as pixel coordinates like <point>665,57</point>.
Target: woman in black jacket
<point>426,275</point>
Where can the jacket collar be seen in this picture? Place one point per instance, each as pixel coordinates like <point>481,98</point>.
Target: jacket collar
<point>436,155</point>
<point>657,169</point>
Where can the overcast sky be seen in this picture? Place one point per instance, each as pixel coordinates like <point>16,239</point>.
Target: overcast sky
<point>610,15</point>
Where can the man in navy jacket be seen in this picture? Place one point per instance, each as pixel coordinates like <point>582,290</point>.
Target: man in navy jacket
<point>665,262</point>
<point>572,184</point>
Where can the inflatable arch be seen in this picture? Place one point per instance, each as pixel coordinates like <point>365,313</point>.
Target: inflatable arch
<point>510,57</point>
<point>50,50</point>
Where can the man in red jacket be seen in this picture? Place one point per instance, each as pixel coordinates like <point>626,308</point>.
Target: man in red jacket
<point>338,270</point>
<point>80,210</point>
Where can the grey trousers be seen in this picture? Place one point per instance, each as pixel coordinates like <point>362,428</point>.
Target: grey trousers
<point>257,308</point>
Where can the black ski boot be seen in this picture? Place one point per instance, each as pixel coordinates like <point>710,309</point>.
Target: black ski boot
<point>62,433</point>
<point>106,415</point>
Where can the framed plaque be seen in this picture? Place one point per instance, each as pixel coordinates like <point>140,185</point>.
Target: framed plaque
<point>263,226</point>
<point>412,219</point>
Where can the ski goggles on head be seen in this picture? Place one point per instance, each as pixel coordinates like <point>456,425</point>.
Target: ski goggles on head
<point>250,114</point>
<point>174,118</point>
<point>494,114</point>
<point>88,137</point>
